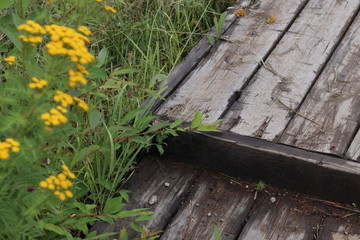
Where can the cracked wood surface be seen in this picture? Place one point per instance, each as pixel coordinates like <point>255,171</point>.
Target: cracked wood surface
<point>216,81</point>
<point>213,202</point>
<point>328,118</point>
<point>270,100</point>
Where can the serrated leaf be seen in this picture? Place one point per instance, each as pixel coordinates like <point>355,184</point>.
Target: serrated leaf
<point>197,120</point>
<point>113,205</point>
<point>52,227</point>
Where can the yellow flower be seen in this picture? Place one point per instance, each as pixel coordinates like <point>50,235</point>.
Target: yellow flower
<point>37,83</point>
<point>64,99</point>
<point>271,19</point>
<point>76,77</point>
<point>9,145</point>
<point>84,30</point>
<point>82,104</point>
<point>110,9</point>
<point>61,182</point>
<point>240,12</point>
<point>99,0</point>
<point>10,60</point>
<point>53,117</point>
<point>32,27</point>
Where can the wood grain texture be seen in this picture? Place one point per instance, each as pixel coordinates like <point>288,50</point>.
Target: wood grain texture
<point>335,230</point>
<point>328,117</point>
<point>272,221</point>
<point>267,105</point>
<point>197,53</point>
<point>218,78</point>
<point>214,202</point>
<point>327,177</point>
<point>149,180</point>
<point>354,150</point>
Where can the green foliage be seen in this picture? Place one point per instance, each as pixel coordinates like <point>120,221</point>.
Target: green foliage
<point>260,186</point>
<point>216,233</point>
<point>100,145</point>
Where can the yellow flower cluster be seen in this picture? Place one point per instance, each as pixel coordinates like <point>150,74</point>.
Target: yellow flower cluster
<point>76,77</point>
<point>67,41</point>
<point>99,0</point>
<point>82,104</point>
<point>63,98</point>
<point>271,19</point>
<point>10,60</point>
<point>7,146</point>
<point>55,116</point>
<point>32,28</point>
<point>110,9</point>
<point>84,30</point>
<point>37,83</point>
<point>240,13</point>
<point>60,183</point>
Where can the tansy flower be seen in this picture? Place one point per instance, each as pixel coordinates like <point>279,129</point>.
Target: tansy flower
<point>271,19</point>
<point>82,104</point>
<point>9,145</point>
<point>10,60</point>
<point>110,9</point>
<point>63,98</point>
<point>99,0</point>
<point>77,77</point>
<point>59,184</point>
<point>240,13</point>
<point>54,117</point>
<point>84,30</point>
<point>35,29</point>
<point>37,83</point>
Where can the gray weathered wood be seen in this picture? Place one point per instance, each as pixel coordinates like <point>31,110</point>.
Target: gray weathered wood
<point>214,202</point>
<point>265,108</point>
<point>201,49</point>
<point>282,220</point>
<point>218,77</point>
<point>149,180</point>
<point>337,230</point>
<point>354,149</point>
<point>328,118</point>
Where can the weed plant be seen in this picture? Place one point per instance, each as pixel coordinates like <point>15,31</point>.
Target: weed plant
<point>73,76</point>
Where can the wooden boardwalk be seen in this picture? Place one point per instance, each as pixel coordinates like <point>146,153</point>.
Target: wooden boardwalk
<point>191,201</point>
<point>289,96</point>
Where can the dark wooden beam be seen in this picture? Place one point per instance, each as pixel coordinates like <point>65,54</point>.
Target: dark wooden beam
<point>325,176</point>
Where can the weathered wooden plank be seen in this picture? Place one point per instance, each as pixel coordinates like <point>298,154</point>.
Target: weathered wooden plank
<point>354,149</point>
<point>265,108</point>
<point>328,118</point>
<point>327,177</point>
<point>272,221</point>
<point>216,81</point>
<point>334,230</point>
<point>148,181</point>
<point>214,202</point>
<point>195,55</point>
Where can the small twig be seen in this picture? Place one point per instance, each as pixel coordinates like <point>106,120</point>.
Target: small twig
<point>335,205</point>
<point>345,216</point>
<point>295,112</point>
<point>270,69</point>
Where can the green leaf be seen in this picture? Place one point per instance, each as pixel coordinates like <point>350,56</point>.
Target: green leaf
<point>143,218</point>
<point>52,227</point>
<point>130,115</point>
<point>97,73</point>
<point>6,3</point>
<point>216,233</point>
<point>137,227</point>
<point>109,220</point>
<point>101,58</point>
<point>160,148</point>
<point>140,139</point>
<point>113,205</point>
<point>124,71</point>
<point>197,120</point>
<point>94,118</point>
<point>82,153</point>
<point>212,40</point>
<point>123,234</point>
<point>207,127</point>
<point>124,194</point>
<point>177,122</point>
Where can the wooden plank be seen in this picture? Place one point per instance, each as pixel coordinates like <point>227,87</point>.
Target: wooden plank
<point>335,230</point>
<point>354,149</point>
<point>327,177</point>
<point>282,220</point>
<point>195,55</point>
<point>214,202</point>
<point>328,118</point>
<point>216,81</point>
<point>264,109</point>
<point>148,181</point>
